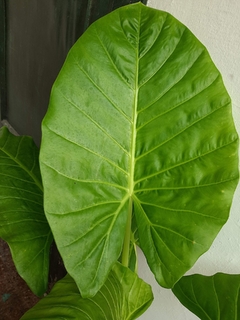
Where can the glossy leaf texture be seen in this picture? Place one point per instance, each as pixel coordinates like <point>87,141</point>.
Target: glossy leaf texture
<point>23,224</point>
<point>123,296</point>
<point>138,114</point>
<point>210,297</point>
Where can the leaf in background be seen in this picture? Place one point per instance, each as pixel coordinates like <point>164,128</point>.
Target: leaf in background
<point>210,297</point>
<point>23,224</point>
<point>123,296</point>
<point>138,114</point>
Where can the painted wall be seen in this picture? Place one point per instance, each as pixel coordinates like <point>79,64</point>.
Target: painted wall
<point>216,24</point>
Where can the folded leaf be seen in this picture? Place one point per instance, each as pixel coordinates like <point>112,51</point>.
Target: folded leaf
<point>23,224</point>
<point>210,297</point>
<point>138,114</point>
<point>124,296</point>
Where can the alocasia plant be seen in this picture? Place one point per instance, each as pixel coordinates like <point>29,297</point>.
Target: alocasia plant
<point>22,221</point>
<point>123,296</point>
<point>139,123</point>
<point>220,299</point>
<point>138,147</point>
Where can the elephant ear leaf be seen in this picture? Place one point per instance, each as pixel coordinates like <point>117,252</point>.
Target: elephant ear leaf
<point>210,297</point>
<point>139,123</point>
<point>123,296</point>
<point>23,224</point>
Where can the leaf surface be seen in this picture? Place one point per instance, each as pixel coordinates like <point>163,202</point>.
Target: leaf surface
<point>210,297</point>
<point>138,114</point>
<point>23,224</point>
<point>123,296</point>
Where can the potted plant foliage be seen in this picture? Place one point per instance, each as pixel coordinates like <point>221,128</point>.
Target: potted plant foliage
<point>138,148</point>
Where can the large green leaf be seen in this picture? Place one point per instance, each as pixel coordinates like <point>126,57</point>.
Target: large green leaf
<point>23,224</point>
<point>138,118</point>
<point>210,297</point>
<point>123,296</point>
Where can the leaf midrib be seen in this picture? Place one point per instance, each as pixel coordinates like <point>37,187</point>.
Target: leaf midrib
<point>134,120</point>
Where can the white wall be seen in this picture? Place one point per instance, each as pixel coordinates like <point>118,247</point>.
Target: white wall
<point>216,24</point>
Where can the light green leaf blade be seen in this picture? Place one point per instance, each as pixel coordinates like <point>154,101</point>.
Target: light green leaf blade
<point>23,224</point>
<point>138,113</point>
<point>210,297</point>
<point>123,296</point>
<point>186,166</point>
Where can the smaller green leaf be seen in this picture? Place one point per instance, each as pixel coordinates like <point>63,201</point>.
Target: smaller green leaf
<point>210,297</point>
<point>23,224</point>
<point>124,296</point>
<point>137,295</point>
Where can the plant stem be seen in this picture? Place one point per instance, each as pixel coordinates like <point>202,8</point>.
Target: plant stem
<point>126,244</point>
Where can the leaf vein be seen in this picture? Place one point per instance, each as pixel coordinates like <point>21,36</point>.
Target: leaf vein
<point>17,178</point>
<point>111,60</point>
<point>20,189</point>
<point>175,232</point>
<point>153,246</point>
<point>181,210</point>
<point>32,176</point>
<point>111,227</point>
<point>218,302</point>
<point>190,97</point>
<point>89,150</point>
<point>163,63</point>
<point>98,125</point>
<point>84,208</point>
<point>90,230</point>
<point>166,246</point>
<point>185,162</point>
<point>185,187</point>
<point>20,198</point>
<point>103,93</point>
<point>86,180</point>
<point>181,131</point>
<point>21,221</point>
<point>154,40</point>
